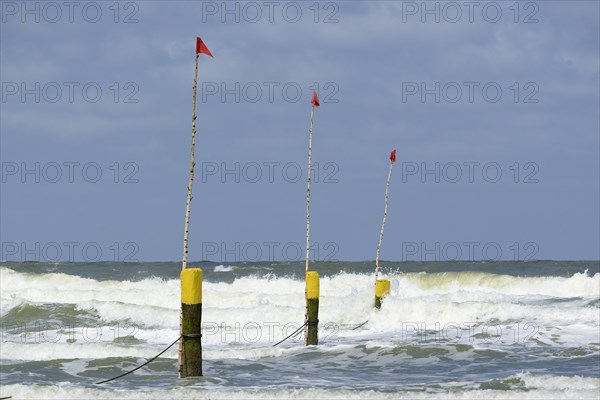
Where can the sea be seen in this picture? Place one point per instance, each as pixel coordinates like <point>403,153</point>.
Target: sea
<point>447,330</point>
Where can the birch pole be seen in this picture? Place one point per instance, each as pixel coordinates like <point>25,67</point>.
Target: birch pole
<point>186,230</point>
<point>192,286</point>
<point>312,113</point>
<point>387,189</point>
<point>200,48</point>
<point>315,103</point>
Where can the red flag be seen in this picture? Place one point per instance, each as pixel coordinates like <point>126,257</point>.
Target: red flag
<point>201,47</point>
<point>315,100</point>
<point>393,156</point>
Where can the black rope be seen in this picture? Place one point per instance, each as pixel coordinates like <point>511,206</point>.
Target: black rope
<point>293,333</point>
<point>144,364</point>
<point>360,325</point>
<point>199,335</point>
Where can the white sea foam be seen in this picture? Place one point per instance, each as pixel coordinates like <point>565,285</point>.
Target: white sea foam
<point>69,289</point>
<point>544,387</point>
<point>83,350</point>
<point>224,268</point>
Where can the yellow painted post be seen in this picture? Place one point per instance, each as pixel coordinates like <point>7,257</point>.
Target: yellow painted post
<point>311,331</point>
<point>382,288</point>
<point>191,321</point>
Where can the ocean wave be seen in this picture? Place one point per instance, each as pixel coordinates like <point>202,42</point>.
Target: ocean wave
<point>432,300</point>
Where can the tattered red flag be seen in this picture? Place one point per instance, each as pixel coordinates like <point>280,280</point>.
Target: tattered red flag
<point>201,47</point>
<point>393,156</point>
<point>315,100</point>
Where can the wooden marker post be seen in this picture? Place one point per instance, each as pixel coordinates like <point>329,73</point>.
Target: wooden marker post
<point>311,316</point>
<point>382,286</point>
<point>190,346</point>
<point>191,321</point>
<point>311,336</point>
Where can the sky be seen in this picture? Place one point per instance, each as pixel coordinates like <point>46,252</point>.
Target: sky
<point>493,108</point>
